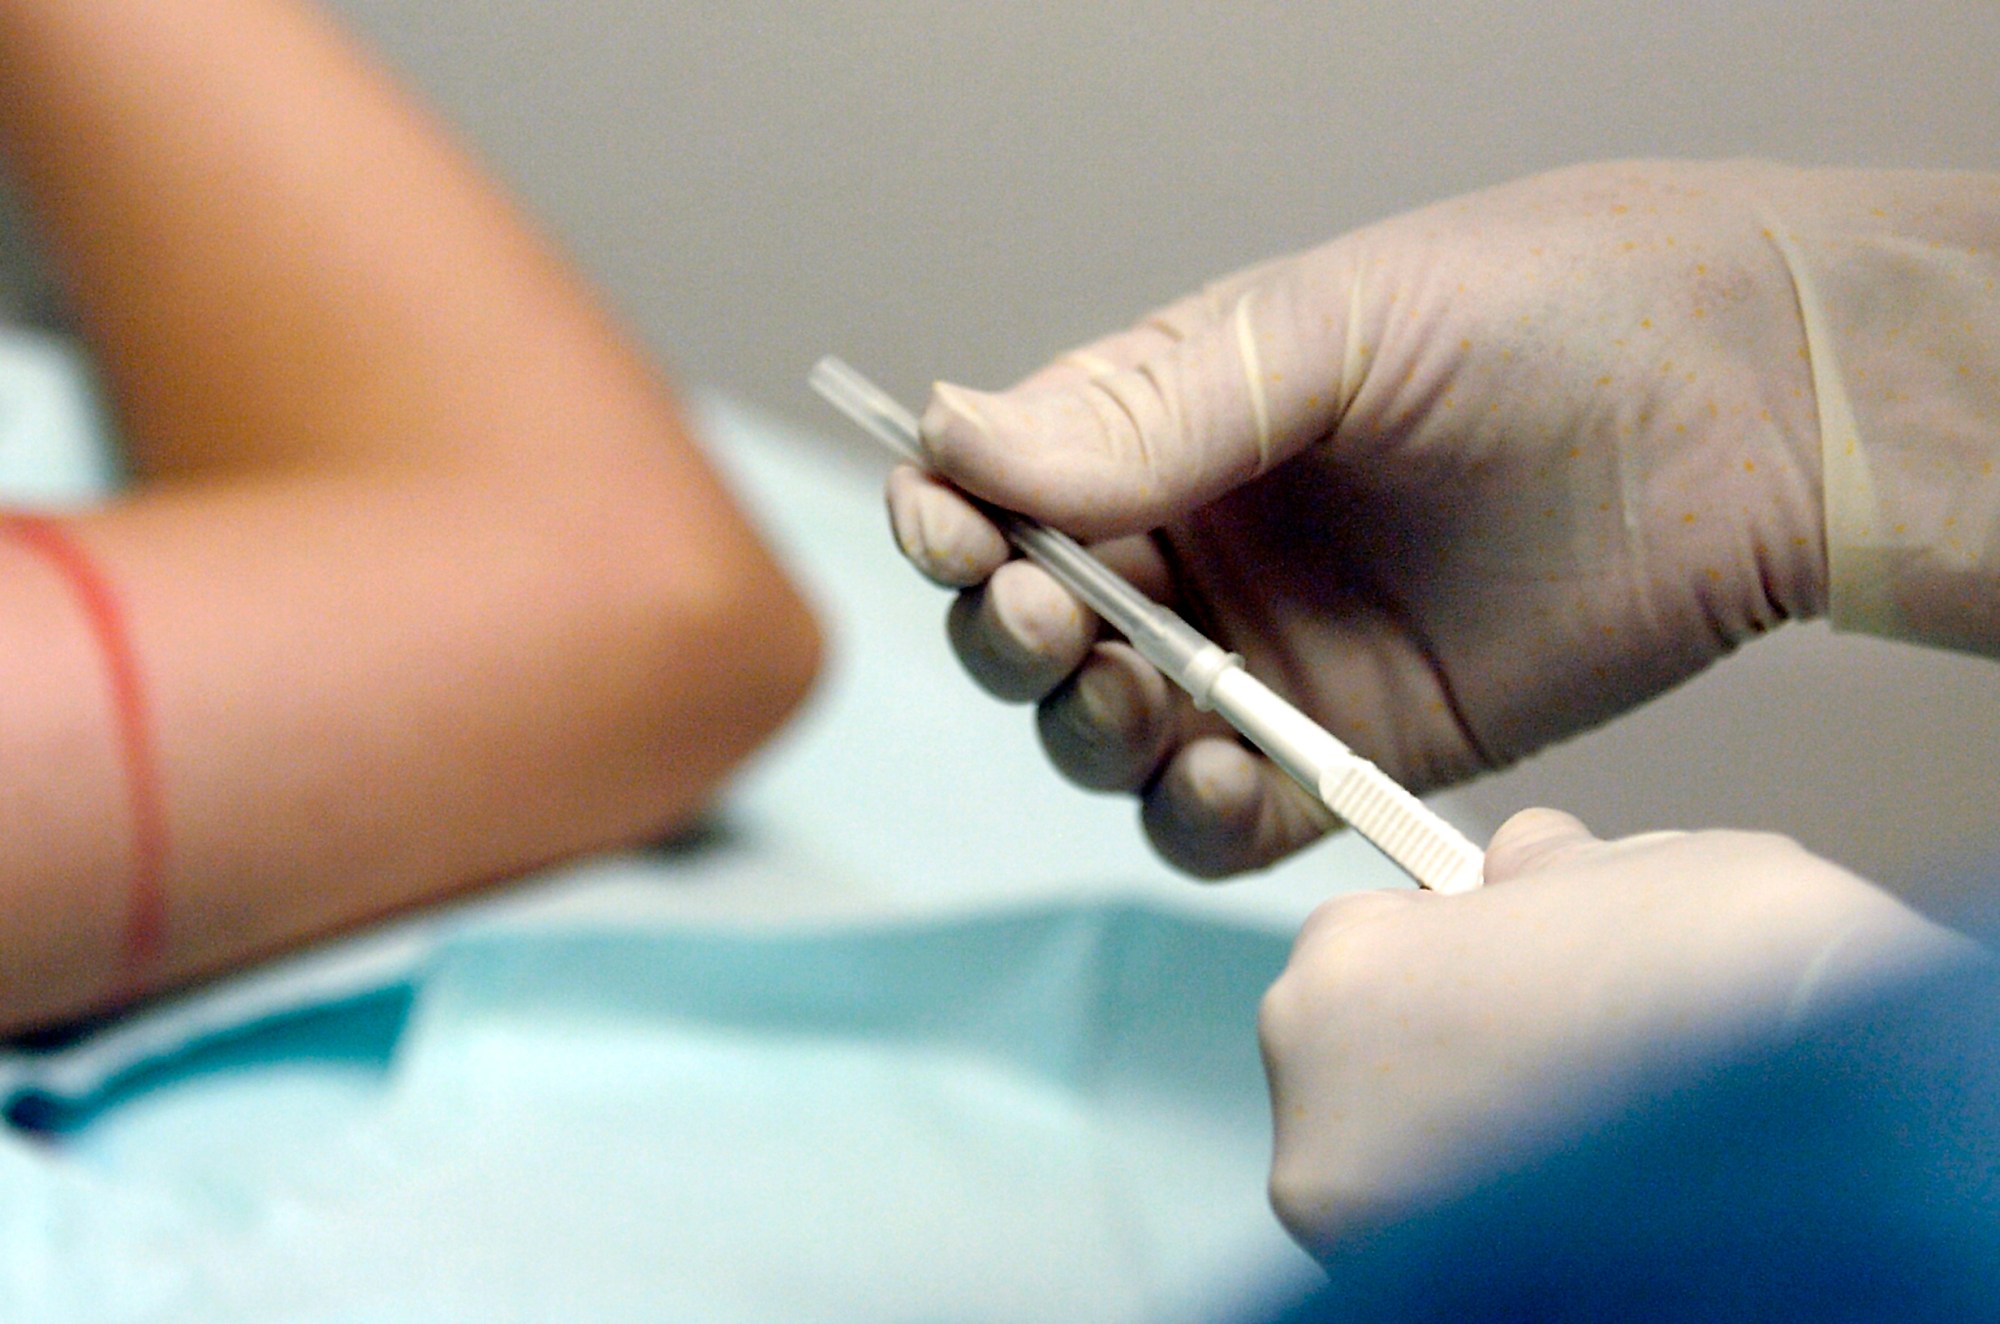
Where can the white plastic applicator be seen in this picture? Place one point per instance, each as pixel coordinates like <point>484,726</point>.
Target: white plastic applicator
<point>1433,852</point>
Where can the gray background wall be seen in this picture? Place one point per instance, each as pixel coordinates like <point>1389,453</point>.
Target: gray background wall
<point>960,189</point>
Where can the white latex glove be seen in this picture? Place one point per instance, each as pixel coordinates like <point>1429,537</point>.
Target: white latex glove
<point>1414,1039</point>
<point>1460,483</point>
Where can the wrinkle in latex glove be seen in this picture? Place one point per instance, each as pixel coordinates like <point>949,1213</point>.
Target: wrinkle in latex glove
<point>1460,484</point>
<point>1416,1043</point>
<point>1899,284</point>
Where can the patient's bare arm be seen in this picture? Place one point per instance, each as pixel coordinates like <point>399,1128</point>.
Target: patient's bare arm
<point>421,583</point>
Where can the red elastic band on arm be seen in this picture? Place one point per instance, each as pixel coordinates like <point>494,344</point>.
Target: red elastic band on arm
<point>145,925</point>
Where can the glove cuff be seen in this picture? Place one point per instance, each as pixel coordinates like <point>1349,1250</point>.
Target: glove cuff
<point>1901,307</point>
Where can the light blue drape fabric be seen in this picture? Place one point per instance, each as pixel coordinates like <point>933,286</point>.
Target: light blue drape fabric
<point>1045,1114</point>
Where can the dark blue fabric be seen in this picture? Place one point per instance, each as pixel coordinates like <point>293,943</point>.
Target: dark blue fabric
<point>1852,1173</point>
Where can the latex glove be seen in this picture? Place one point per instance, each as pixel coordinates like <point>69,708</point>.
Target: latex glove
<point>1460,483</point>
<point>1415,1039</point>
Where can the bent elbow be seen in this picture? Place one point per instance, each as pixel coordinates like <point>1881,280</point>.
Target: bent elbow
<point>737,651</point>
<point>772,646</point>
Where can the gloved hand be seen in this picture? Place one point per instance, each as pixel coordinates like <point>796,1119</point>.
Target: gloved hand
<point>1460,483</point>
<point>1414,1039</point>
